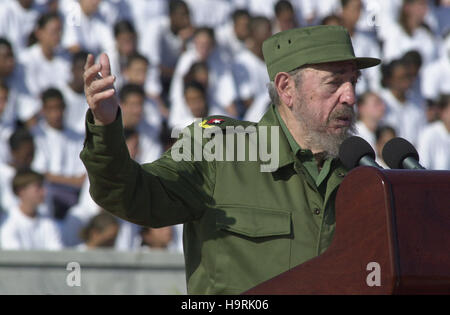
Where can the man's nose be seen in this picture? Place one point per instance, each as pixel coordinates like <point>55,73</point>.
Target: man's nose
<point>348,96</point>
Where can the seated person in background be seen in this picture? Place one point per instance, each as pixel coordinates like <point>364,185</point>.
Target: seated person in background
<point>73,93</point>
<point>434,141</point>
<point>101,232</point>
<point>136,72</point>
<point>24,228</point>
<point>156,239</point>
<point>232,35</point>
<point>6,126</point>
<point>403,112</point>
<point>132,100</point>
<point>383,135</point>
<point>21,146</point>
<point>57,149</point>
<point>285,18</point>
<point>371,109</point>
<point>195,97</point>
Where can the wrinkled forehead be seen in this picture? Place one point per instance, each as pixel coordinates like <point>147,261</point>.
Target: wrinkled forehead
<point>336,68</point>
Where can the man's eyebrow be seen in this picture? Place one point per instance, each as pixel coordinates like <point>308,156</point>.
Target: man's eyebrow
<point>341,72</point>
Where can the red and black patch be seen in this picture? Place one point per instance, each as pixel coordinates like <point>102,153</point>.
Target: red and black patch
<point>215,121</point>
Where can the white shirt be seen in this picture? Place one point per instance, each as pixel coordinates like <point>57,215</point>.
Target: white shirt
<point>436,78</point>
<point>142,11</point>
<point>408,119</point>
<point>211,13</point>
<point>20,232</point>
<point>76,108</point>
<point>221,90</point>
<point>397,42</point>
<point>91,33</point>
<point>41,73</point>
<point>364,132</point>
<point>57,151</point>
<point>434,147</point>
<point>16,23</point>
<point>250,74</point>
<point>227,39</point>
<point>159,44</point>
<point>150,147</point>
<point>365,46</point>
<point>8,199</point>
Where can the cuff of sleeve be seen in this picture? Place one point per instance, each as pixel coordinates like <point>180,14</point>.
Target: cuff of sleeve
<point>108,138</point>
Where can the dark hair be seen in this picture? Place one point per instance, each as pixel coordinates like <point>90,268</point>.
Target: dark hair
<point>382,129</point>
<point>256,22</point>
<point>124,26</point>
<point>194,85</point>
<point>388,69</point>
<point>25,177</point>
<point>238,13</point>
<point>136,56</point>
<point>18,137</point>
<point>329,18</point>
<point>208,30</point>
<point>4,86</point>
<point>283,5</point>
<point>45,18</point>
<point>5,42</point>
<point>51,93</point>
<point>175,4</point>
<point>79,56</point>
<point>412,57</point>
<point>130,88</point>
<point>129,132</point>
<point>444,101</point>
<point>98,223</point>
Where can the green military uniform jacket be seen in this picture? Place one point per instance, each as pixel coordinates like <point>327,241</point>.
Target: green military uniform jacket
<point>242,226</point>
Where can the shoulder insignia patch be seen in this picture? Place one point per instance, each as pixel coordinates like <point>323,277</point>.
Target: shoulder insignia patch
<point>209,123</point>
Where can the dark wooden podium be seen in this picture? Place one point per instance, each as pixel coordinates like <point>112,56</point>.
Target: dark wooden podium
<point>394,224</point>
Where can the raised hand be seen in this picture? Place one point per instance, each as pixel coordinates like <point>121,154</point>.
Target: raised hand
<point>99,90</point>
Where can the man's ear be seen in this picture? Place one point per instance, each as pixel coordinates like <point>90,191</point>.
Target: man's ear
<point>285,88</point>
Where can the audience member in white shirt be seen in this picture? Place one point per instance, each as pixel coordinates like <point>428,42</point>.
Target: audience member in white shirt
<point>24,228</point>
<point>165,40</point>
<point>408,33</point>
<point>90,33</point>
<point>363,45</point>
<point>436,76</point>
<point>17,20</point>
<point>132,100</point>
<point>12,75</point>
<point>221,88</point>
<point>57,150</point>
<point>136,72</point>
<point>74,98</point>
<point>402,112</point>
<point>6,125</point>
<point>383,134</point>
<point>142,11</point>
<point>434,141</point>
<point>250,71</point>
<point>232,35</point>
<point>21,146</point>
<point>285,17</point>
<point>45,65</point>
<point>100,232</point>
<point>370,110</point>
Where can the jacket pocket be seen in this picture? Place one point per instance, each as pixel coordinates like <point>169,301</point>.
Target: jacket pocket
<point>253,221</point>
<point>253,245</point>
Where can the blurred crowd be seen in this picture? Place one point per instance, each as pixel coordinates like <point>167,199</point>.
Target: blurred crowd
<point>176,61</point>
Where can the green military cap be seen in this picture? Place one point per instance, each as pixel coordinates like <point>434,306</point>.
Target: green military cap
<point>291,49</point>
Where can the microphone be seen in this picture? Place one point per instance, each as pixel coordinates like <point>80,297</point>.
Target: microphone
<point>400,153</point>
<point>355,151</point>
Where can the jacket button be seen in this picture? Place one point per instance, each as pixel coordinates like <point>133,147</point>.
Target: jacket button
<point>316,211</point>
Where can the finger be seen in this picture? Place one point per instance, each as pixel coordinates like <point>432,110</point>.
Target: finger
<point>89,62</point>
<point>101,85</point>
<point>103,96</point>
<point>106,67</point>
<point>91,74</point>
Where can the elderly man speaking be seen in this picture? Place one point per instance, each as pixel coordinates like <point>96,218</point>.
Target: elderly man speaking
<point>242,225</point>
